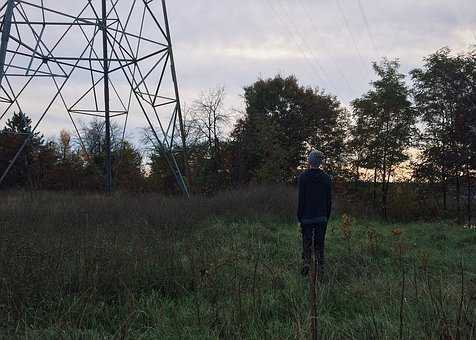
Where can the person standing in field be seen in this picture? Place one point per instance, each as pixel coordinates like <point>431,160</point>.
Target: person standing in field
<point>314,210</point>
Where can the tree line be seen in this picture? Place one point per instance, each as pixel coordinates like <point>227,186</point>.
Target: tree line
<point>418,128</point>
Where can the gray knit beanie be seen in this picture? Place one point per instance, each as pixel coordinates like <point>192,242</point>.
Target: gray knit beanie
<point>315,158</point>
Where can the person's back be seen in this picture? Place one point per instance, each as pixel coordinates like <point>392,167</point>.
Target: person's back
<point>314,209</point>
<point>315,197</point>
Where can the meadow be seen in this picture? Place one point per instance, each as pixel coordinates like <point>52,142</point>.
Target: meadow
<point>143,266</point>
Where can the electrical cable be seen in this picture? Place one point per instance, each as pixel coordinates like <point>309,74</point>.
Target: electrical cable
<point>352,37</point>
<point>296,31</point>
<point>367,26</point>
<point>294,40</point>
<point>331,52</point>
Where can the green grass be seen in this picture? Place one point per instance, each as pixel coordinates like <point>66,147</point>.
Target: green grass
<point>229,277</point>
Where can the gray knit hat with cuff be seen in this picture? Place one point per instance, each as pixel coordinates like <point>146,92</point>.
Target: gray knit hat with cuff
<point>315,158</point>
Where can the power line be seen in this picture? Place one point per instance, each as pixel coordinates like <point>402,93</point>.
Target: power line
<point>296,42</point>
<point>339,70</point>
<point>304,41</point>
<point>354,41</point>
<point>367,26</point>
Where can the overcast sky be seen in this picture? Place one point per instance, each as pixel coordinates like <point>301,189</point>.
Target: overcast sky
<point>327,44</point>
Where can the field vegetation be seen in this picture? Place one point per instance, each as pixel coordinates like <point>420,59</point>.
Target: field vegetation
<point>224,267</point>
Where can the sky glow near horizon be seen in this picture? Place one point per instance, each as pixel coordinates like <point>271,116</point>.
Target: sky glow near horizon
<point>326,44</point>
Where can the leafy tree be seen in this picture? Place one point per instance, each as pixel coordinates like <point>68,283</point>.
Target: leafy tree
<point>282,121</point>
<point>469,127</point>
<point>126,159</point>
<point>160,177</point>
<point>329,132</point>
<point>445,92</point>
<point>127,168</point>
<point>44,165</point>
<point>64,146</point>
<point>69,173</point>
<point>385,126</point>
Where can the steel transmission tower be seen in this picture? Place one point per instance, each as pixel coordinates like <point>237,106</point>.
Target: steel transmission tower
<point>110,60</point>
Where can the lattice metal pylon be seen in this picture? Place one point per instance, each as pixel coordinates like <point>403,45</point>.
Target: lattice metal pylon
<point>103,59</point>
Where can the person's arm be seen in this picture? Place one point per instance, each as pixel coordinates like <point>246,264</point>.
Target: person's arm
<point>300,198</point>
<point>329,199</point>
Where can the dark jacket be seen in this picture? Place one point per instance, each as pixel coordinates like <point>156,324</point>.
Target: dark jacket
<point>315,197</point>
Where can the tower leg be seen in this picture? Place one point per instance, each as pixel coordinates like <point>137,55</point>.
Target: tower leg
<point>108,166</point>
<point>7,25</point>
<point>185,185</point>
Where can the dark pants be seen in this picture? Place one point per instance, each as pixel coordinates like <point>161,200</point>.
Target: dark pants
<point>316,233</point>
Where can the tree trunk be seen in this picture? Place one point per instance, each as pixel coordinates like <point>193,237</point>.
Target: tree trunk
<point>375,188</point>
<point>384,187</point>
<point>470,198</point>
<point>216,144</point>
<point>443,174</point>
<point>458,197</point>
<point>444,191</point>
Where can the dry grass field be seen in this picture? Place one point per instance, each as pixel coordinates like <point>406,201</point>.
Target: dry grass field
<point>148,267</point>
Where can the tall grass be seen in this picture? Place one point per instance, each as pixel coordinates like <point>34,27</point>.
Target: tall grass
<point>149,267</point>
<point>100,249</point>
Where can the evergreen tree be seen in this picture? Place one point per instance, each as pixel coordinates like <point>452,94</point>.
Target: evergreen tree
<point>17,131</point>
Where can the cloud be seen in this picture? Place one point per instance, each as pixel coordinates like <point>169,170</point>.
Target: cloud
<point>318,45</point>
<point>328,44</point>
